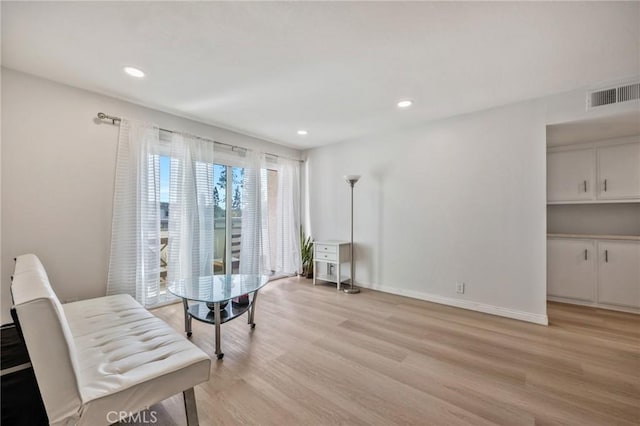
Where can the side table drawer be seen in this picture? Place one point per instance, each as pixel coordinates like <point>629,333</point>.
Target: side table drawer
<point>325,248</point>
<point>326,256</point>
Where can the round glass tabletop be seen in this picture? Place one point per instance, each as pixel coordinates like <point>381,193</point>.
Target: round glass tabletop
<point>217,288</point>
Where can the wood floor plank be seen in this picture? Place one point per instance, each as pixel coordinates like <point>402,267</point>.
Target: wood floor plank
<point>420,379</point>
<point>318,356</point>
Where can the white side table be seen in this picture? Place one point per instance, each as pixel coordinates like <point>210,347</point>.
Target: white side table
<point>328,255</point>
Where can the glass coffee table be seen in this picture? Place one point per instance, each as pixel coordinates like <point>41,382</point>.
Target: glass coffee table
<point>213,296</point>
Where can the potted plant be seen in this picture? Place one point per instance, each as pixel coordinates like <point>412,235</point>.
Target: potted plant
<point>306,252</point>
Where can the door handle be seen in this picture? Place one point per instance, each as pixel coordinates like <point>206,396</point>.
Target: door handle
<point>586,254</point>
<point>606,256</point>
<point>585,186</point>
<point>605,185</point>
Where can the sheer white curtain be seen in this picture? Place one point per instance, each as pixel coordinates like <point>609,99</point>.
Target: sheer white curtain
<point>134,264</point>
<point>254,242</point>
<point>288,259</point>
<point>191,208</point>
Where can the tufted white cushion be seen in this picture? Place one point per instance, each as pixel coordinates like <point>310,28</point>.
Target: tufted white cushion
<point>122,348</point>
<point>112,354</point>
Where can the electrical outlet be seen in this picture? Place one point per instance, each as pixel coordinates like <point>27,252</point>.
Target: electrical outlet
<point>460,287</point>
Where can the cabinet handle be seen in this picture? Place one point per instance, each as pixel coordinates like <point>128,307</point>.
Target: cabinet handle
<point>585,186</point>
<point>605,185</point>
<point>606,256</point>
<point>585,254</point>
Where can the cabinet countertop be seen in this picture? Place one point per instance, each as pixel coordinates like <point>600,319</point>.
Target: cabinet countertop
<point>597,236</point>
<point>331,242</point>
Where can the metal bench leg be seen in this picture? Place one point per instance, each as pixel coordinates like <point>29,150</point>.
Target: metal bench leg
<point>190,407</point>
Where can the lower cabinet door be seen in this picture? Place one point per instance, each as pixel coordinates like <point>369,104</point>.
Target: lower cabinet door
<point>571,269</point>
<point>619,273</point>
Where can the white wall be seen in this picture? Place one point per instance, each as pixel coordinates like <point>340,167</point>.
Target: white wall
<point>57,178</point>
<point>5,303</point>
<point>461,199</point>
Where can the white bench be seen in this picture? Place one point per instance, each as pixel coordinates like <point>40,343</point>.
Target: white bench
<point>98,359</point>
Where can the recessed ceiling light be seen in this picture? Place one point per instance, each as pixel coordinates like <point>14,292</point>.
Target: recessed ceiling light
<point>405,104</point>
<point>303,132</point>
<point>134,72</point>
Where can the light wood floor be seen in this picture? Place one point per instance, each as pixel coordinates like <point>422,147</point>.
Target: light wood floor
<point>322,357</point>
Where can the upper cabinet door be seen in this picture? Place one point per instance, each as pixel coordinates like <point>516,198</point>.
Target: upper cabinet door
<point>570,175</point>
<point>619,172</point>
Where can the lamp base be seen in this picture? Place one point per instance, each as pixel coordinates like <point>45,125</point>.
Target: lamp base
<point>352,290</point>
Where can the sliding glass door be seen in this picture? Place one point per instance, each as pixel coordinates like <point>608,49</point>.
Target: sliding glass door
<point>228,192</point>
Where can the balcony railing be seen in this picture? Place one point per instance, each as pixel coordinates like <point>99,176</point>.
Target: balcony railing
<point>219,247</point>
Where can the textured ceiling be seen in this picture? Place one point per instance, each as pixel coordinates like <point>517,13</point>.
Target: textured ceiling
<point>335,69</point>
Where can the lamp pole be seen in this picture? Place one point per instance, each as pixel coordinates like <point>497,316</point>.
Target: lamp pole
<point>351,180</point>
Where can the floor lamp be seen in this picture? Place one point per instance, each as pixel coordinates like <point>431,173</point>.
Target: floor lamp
<point>351,180</point>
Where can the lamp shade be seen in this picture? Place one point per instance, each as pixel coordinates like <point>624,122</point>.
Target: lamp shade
<point>351,179</point>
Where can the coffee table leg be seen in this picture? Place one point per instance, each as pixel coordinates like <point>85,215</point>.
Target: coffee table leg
<point>253,310</point>
<point>187,318</point>
<point>216,312</point>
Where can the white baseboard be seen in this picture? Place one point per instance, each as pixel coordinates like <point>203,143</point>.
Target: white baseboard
<point>464,304</point>
<point>593,304</point>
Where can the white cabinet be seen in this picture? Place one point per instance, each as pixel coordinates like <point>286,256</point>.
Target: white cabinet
<point>602,272</point>
<point>619,172</point>
<point>597,173</point>
<point>329,258</point>
<point>570,175</point>
<point>571,269</point>
<point>619,273</point>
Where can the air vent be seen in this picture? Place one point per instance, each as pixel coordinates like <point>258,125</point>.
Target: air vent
<point>613,95</point>
<point>629,92</point>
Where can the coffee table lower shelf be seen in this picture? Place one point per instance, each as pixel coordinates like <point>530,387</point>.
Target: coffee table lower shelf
<point>201,312</point>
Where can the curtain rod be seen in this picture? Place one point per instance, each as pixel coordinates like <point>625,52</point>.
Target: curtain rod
<point>114,119</point>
